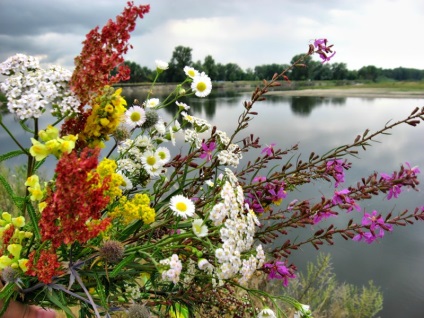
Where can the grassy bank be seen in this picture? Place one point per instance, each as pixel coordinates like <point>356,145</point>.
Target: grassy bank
<point>296,85</point>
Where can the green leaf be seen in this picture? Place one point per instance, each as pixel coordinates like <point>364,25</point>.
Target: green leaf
<point>119,267</point>
<point>55,300</point>
<point>6,296</point>
<point>101,291</point>
<point>25,127</point>
<point>34,221</point>
<point>11,154</point>
<point>7,186</point>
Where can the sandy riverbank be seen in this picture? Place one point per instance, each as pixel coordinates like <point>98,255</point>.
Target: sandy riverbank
<point>351,92</point>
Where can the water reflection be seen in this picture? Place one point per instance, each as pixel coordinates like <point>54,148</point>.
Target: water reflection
<point>320,124</point>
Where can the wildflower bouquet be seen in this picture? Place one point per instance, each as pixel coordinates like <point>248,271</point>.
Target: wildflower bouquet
<point>157,218</point>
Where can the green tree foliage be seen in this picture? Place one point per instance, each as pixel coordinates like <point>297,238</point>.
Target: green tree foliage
<point>181,57</point>
<point>339,71</point>
<point>303,71</point>
<point>308,69</point>
<point>139,74</point>
<point>209,67</point>
<point>370,73</point>
<point>267,71</point>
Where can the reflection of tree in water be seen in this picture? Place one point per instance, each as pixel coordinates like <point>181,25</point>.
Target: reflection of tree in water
<point>303,105</point>
<point>198,106</point>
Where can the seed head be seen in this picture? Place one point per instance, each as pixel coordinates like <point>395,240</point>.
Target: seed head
<point>152,118</point>
<point>112,251</point>
<point>138,311</point>
<point>9,274</point>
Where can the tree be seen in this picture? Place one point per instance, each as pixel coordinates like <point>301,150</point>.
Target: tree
<point>369,72</point>
<point>233,72</point>
<point>138,74</point>
<point>267,71</point>
<point>181,57</point>
<point>209,67</point>
<point>303,71</point>
<point>340,71</point>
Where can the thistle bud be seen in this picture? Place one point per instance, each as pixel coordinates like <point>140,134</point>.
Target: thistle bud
<point>138,311</point>
<point>112,251</point>
<point>152,118</point>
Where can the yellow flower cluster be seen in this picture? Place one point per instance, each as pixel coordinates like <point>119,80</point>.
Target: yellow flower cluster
<point>34,188</point>
<point>107,172</point>
<point>106,114</point>
<point>137,208</point>
<point>11,238</point>
<point>52,144</point>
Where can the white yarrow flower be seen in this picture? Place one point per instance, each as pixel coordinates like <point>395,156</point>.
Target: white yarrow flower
<point>182,206</point>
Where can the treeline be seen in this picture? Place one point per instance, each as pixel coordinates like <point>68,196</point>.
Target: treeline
<point>312,70</point>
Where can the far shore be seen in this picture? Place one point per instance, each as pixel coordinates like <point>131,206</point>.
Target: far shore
<point>351,92</point>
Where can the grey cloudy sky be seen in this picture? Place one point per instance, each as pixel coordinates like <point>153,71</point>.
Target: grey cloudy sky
<point>384,33</point>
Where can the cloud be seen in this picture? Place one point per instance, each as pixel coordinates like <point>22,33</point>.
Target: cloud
<point>246,32</point>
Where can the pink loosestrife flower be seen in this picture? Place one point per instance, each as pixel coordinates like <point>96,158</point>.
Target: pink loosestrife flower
<point>268,150</point>
<point>377,226</point>
<point>207,150</point>
<point>406,177</point>
<point>323,50</point>
<point>342,199</point>
<point>335,168</point>
<point>279,270</point>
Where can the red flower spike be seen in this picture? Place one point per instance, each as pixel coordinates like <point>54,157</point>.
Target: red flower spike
<point>103,52</point>
<point>75,202</point>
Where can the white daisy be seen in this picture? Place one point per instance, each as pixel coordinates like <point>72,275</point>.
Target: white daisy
<point>152,102</point>
<point>150,160</point>
<point>135,116</point>
<point>182,106</point>
<point>161,65</point>
<point>209,183</point>
<point>172,136</point>
<point>202,85</point>
<point>126,182</point>
<point>182,206</point>
<point>190,72</point>
<point>164,154</point>
<point>160,127</point>
<point>199,229</point>
<point>187,117</point>
<point>267,313</point>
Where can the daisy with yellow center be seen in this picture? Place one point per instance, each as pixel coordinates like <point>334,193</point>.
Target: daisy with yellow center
<point>164,155</point>
<point>201,85</point>
<point>190,72</point>
<point>152,102</point>
<point>135,116</point>
<point>182,106</point>
<point>151,163</point>
<point>199,229</point>
<point>182,206</point>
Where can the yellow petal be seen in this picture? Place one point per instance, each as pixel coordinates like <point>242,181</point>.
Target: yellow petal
<point>18,221</point>
<point>15,250</point>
